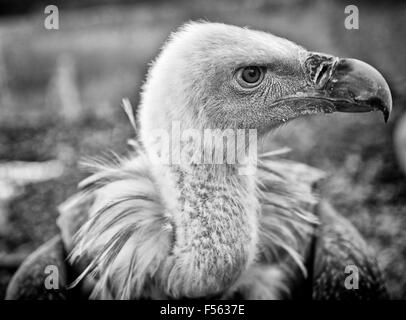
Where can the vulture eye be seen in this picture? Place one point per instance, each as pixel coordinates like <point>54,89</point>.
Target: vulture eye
<point>249,77</point>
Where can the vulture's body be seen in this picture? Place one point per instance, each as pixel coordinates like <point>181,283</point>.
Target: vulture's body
<point>255,229</point>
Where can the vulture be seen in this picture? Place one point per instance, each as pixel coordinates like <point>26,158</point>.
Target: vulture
<point>142,227</point>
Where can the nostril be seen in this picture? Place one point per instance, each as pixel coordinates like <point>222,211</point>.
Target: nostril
<point>322,74</point>
<point>318,68</point>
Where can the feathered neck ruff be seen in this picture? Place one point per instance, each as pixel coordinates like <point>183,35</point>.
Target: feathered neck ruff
<point>190,236</point>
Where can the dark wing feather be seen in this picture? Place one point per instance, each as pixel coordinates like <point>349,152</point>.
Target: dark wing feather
<point>29,281</point>
<point>338,245</point>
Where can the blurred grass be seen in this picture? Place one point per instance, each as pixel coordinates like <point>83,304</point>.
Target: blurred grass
<point>110,47</point>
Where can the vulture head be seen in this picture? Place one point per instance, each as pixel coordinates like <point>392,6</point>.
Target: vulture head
<point>197,230</point>
<point>212,75</point>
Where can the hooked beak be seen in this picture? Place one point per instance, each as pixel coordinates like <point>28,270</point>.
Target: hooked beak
<point>337,85</point>
<point>346,85</point>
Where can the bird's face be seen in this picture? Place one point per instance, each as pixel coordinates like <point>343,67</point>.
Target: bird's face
<point>221,76</point>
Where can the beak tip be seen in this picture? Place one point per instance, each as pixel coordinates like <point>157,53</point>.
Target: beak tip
<point>386,103</point>
<point>386,100</point>
<point>386,115</point>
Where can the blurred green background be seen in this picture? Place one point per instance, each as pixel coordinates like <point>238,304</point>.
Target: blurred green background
<point>60,93</point>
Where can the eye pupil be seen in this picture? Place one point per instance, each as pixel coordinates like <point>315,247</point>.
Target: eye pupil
<point>251,74</point>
